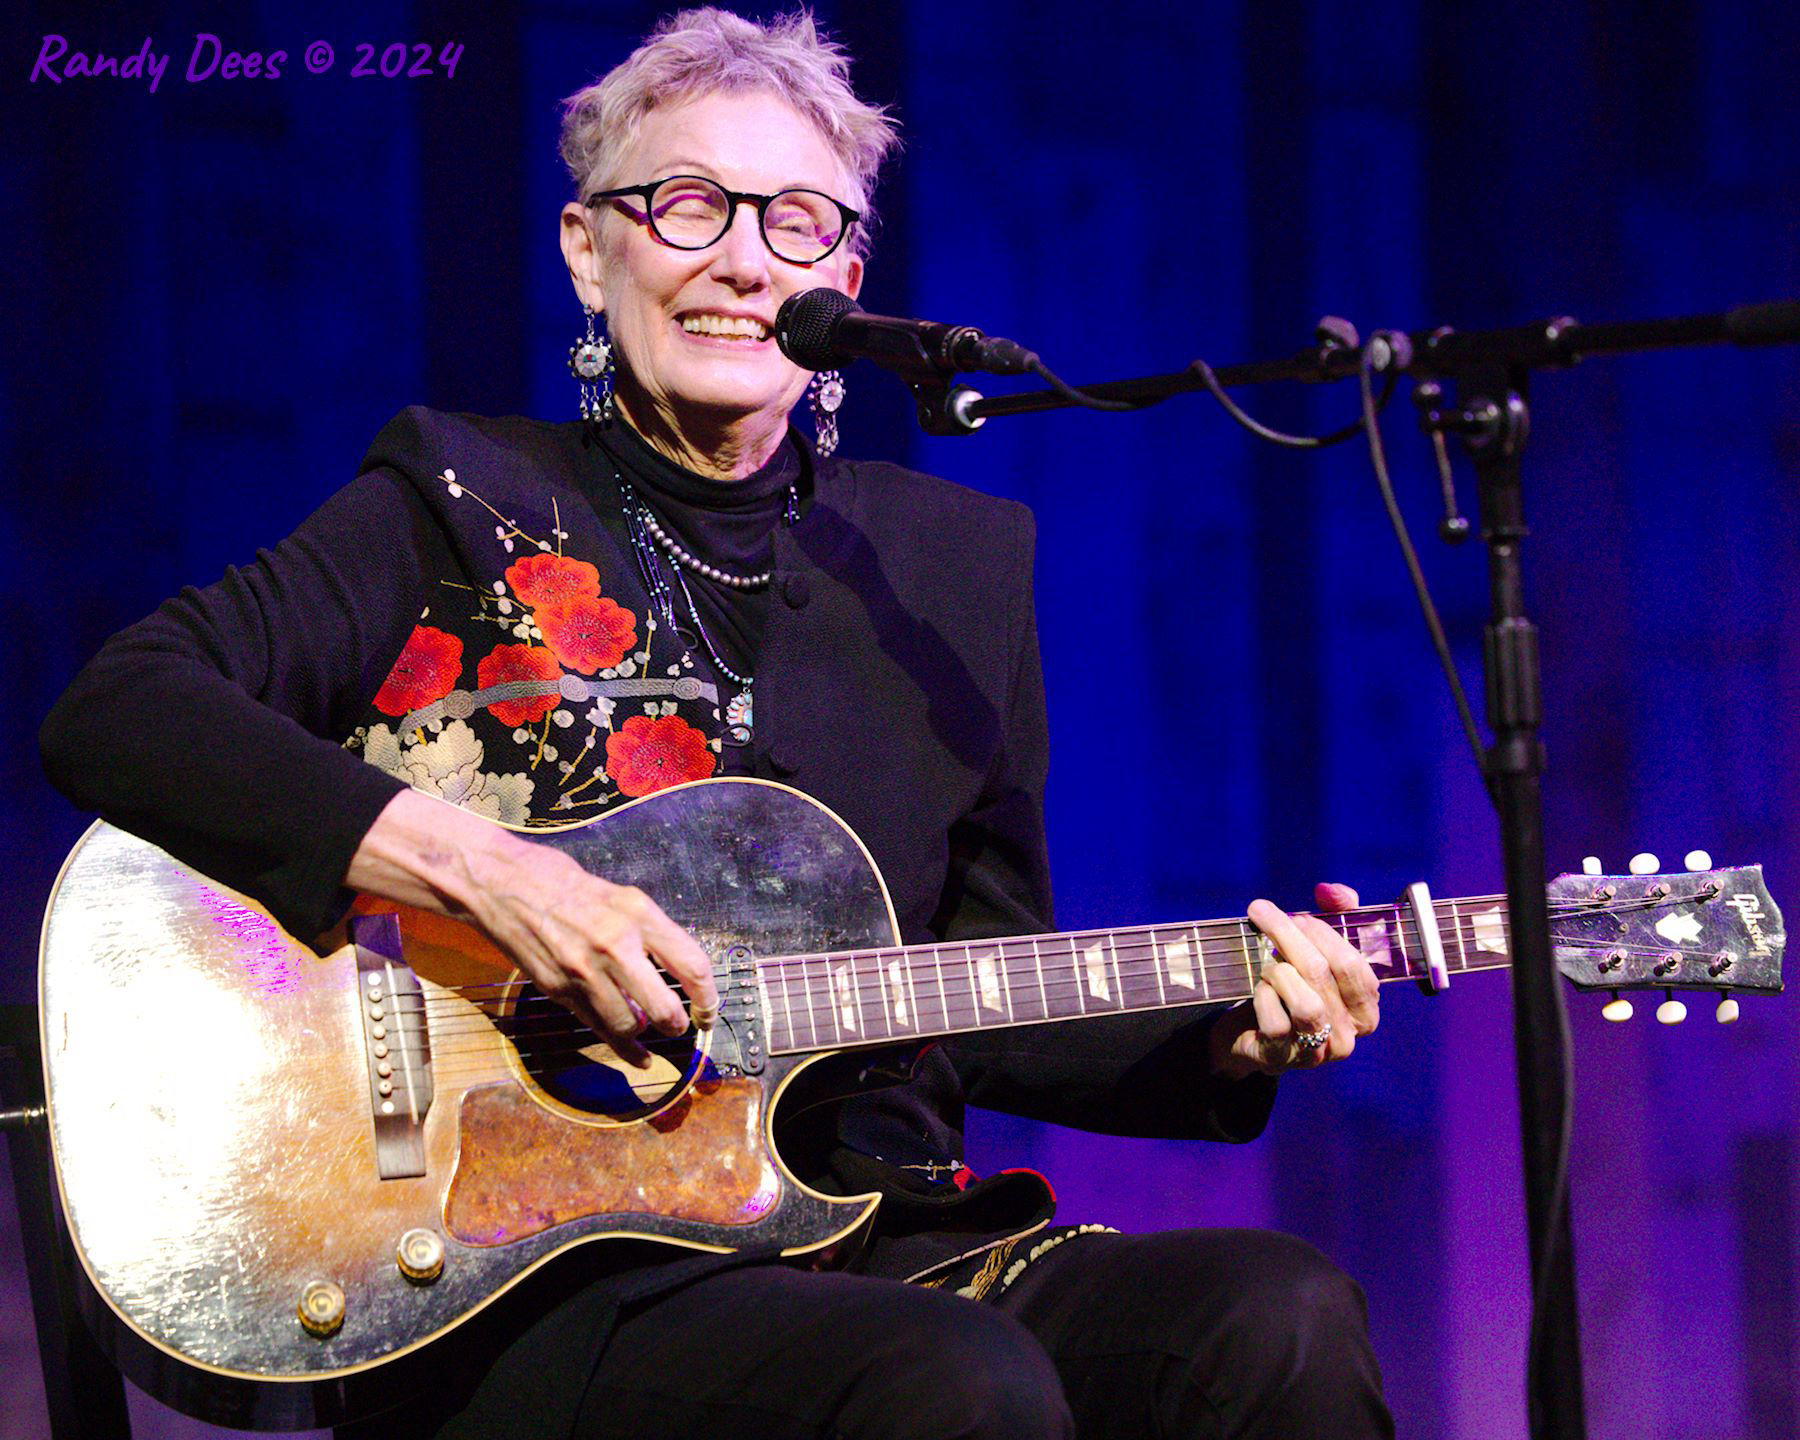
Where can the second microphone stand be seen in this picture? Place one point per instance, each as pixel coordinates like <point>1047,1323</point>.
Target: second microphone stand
<point>1491,371</point>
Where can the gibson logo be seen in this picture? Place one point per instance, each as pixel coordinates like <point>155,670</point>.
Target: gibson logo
<point>1750,910</point>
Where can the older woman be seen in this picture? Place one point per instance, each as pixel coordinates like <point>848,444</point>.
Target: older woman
<point>538,621</point>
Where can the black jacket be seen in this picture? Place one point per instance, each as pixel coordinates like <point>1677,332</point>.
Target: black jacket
<point>898,682</point>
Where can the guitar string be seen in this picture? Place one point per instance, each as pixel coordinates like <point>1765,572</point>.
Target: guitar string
<point>1232,924</point>
<point>1136,957</point>
<point>1232,928</point>
<point>1138,954</point>
<point>462,1061</point>
<point>491,1029</point>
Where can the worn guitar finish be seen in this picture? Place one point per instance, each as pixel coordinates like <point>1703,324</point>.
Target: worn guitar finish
<point>209,1100</point>
<point>384,1138</point>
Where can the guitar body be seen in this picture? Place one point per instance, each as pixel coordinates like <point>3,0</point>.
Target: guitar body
<point>211,1101</point>
<point>293,1172</point>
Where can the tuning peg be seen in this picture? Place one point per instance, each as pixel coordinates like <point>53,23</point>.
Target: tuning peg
<point>1591,866</point>
<point>1645,864</point>
<point>1616,1009</point>
<point>1697,860</point>
<point>1727,1013</point>
<point>1671,1011</point>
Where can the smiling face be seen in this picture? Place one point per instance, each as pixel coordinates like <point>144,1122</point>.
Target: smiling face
<point>699,366</point>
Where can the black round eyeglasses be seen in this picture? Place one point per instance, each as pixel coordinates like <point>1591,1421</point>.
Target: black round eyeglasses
<point>691,212</point>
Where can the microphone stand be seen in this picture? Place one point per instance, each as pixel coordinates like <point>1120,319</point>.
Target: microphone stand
<point>1491,370</point>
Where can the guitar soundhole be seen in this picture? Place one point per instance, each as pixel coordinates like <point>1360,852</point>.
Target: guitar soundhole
<point>572,1065</point>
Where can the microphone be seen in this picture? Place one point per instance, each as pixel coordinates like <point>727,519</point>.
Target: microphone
<point>824,328</point>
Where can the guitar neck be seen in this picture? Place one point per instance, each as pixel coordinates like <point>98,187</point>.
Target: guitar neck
<point>919,992</point>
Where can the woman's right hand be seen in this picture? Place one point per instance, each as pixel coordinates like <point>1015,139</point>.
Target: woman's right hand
<point>585,942</point>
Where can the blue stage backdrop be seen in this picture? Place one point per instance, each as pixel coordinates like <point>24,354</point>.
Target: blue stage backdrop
<point>217,291</point>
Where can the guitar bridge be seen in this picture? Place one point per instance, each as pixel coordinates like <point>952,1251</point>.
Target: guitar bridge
<point>396,1044</point>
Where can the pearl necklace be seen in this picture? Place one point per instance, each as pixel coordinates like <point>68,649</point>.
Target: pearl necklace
<point>681,557</point>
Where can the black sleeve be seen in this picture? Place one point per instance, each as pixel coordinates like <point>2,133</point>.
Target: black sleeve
<point>210,728</point>
<point>1143,1074</point>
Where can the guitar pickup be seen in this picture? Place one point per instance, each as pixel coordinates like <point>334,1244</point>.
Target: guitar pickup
<point>396,1045</point>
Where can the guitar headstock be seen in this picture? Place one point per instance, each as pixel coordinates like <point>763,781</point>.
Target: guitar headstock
<point>1705,929</point>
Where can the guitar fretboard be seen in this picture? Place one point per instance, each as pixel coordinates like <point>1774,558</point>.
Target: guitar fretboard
<point>915,992</point>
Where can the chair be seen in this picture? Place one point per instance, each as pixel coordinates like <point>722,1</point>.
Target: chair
<point>85,1395</point>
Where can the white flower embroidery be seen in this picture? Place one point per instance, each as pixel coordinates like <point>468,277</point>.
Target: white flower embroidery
<point>450,767</point>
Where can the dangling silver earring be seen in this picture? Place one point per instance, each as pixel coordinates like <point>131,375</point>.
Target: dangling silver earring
<point>591,362</point>
<point>827,394</point>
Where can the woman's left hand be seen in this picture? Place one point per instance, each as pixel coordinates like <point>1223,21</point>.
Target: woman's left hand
<point>1309,1007</point>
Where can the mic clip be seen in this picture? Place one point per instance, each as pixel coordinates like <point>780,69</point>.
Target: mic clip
<point>944,409</point>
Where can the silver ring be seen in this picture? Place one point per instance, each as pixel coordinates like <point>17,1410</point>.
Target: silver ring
<point>1313,1039</point>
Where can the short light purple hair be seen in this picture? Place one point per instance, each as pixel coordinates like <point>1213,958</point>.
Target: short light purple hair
<point>706,51</point>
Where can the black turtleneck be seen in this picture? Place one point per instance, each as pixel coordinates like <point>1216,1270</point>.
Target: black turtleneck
<point>729,524</point>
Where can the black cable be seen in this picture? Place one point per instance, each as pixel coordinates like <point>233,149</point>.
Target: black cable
<point>1210,381</point>
<point>1080,397</point>
<point>1371,422</point>
<point>1279,437</point>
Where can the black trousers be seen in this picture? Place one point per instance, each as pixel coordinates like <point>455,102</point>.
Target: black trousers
<point>1193,1334</point>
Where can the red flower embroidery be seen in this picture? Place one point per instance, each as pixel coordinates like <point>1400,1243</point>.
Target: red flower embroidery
<point>519,662</point>
<point>646,755</point>
<point>588,633</point>
<point>426,671</point>
<point>551,579</point>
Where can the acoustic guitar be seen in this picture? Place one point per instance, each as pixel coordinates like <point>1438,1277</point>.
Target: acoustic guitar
<point>286,1169</point>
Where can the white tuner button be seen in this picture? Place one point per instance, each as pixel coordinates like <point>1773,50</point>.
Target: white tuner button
<point>1697,860</point>
<point>1671,1011</point>
<point>1645,864</point>
<point>1592,866</point>
<point>1616,1009</point>
<point>1727,1012</point>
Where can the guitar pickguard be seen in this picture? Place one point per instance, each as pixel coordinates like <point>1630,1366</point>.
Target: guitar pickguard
<point>522,1169</point>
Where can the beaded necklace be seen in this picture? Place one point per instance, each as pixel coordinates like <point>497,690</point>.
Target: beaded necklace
<point>650,542</point>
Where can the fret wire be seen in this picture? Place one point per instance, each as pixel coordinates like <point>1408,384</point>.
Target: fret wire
<point>768,1000</point>
<point>1037,961</point>
<point>787,1002</point>
<point>856,988</point>
<point>1251,946</point>
<point>831,1010</point>
<point>887,1004</point>
<point>1400,941</point>
<point>1161,963</point>
<point>912,993</point>
<point>1005,979</point>
<point>1078,973</point>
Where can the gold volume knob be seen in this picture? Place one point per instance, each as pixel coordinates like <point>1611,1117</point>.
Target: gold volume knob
<point>420,1256</point>
<point>322,1308</point>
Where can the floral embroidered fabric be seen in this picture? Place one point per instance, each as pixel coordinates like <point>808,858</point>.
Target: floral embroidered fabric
<point>989,1273</point>
<point>544,691</point>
